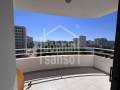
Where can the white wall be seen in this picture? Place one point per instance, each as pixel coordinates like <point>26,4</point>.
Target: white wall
<point>33,64</point>
<point>103,63</point>
<point>7,58</point>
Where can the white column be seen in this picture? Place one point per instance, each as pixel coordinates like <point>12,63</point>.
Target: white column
<point>7,45</point>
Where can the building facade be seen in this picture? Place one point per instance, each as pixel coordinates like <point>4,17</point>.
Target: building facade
<point>101,42</point>
<point>30,43</point>
<point>82,41</point>
<point>75,41</point>
<point>20,39</point>
<point>90,43</point>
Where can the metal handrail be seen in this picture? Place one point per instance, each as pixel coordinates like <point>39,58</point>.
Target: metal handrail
<point>92,50</point>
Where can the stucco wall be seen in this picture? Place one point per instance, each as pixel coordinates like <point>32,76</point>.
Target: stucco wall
<point>7,46</point>
<point>41,63</point>
<point>103,63</point>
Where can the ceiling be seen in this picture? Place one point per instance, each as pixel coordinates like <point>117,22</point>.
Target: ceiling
<point>77,8</point>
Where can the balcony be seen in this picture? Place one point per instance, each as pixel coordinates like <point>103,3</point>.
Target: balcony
<point>88,69</point>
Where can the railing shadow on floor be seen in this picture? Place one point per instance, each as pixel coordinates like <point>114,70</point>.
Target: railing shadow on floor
<point>64,73</point>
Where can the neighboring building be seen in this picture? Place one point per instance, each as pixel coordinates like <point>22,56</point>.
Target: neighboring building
<point>58,44</point>
<point>101,43</point>
<point>71,44</point>
<point>30,43</point>
<point>111,44</point>
<point>64,43</point>
<point>82,41</point>
<point>36,44</point>
<point>90,43</point>
<point>75,41</point>
<point>51,44</point>
<point>20,39</point>
<point>47,44</point>
<point>41,44</point>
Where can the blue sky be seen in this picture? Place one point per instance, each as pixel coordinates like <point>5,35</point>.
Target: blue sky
<point>103,27</point>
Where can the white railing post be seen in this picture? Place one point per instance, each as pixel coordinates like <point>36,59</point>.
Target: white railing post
<point>93,50</point>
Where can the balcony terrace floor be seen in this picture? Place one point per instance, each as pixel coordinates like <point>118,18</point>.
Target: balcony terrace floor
<point>86,78</point>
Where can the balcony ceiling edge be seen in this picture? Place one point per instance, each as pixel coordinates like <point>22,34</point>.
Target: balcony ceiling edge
<point>77,8</point>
